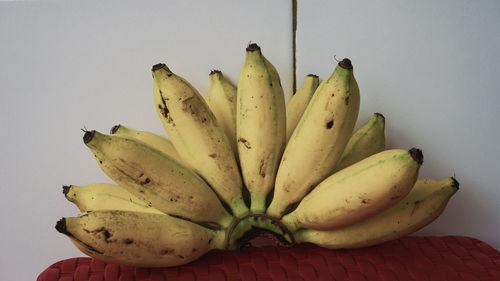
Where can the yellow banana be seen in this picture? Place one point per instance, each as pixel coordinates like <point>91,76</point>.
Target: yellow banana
<point>357,192</point>
<point>298,103</point>
<point>366,141</point>
<point>221,98</point>
<point>319,138</point>
<point>422,206</point>
<point>105,196</point>
<point>156,178</point>
<point>261,125</point>
<point>139,239</point>
<point>161,143</point>
<point>197,136</point>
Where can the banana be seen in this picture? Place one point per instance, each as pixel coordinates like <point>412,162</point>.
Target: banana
<point>221,98</point>
<point>197,136</point>
<point>423,205</point>
<point>156,178</point>
<point>357,192</point>
<point>139,239</point>
<point>298,103</point>
<point>319,139</point>
<point>366,141</point>
<point>105,196</point>
<point>260,125</point>
<point>161,143</point>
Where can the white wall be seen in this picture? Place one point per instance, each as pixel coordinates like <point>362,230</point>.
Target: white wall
<point>431,69</point>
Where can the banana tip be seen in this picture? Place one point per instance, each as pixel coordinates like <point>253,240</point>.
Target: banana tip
<point>379,115</point>
<point>158,66</point>
<point>61,227</point>
<point>455,183</point>
<point>417,155</point>
<point>114,129</point>
<point>215,71</point>
<point>88,136</point>
<point>346,64</point>
<point>312,75</point>
<point>66,189</point>
<point>252,47</point>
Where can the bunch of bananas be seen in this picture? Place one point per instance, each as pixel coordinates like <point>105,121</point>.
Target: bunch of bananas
<point>240,163</point>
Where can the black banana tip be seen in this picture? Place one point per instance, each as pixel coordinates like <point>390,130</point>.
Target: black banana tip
<point>66,189</point>
<point>158,66</point>
<point>215,71</point>
<point>312,75</point>
<point>88,136</point>
<point>114,129</point>
<point>380,115</point>
<point>417,155</point>
<point>252,47</point>
<point>346,64</point>
<point>455,183</point>
<point>61,227</point>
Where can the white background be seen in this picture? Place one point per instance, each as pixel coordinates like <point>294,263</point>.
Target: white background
<point>431,69</point>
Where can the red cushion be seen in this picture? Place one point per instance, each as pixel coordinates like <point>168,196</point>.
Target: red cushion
<point>410,258</point>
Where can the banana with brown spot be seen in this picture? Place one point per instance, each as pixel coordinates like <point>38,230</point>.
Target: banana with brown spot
<point>197,136</point>
<point>319,139</point>
<point>420,207</point>
<point>221,98</point>
<point>161,143</point>
<point>156,178</point>
<point>139,239</point>
<point>366,141</point>
<point>298,103</point>
<point>358,192</point>
<point>105,196</point>
<point>260,125</point>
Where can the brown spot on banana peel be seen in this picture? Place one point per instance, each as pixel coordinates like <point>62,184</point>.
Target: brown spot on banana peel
<point>245,143</point>
<point>213,155</point>
<point>329,124</point>
<point>128,241</point>
<point>262,168</point>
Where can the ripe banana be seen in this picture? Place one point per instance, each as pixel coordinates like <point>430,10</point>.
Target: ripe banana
<point>105,196</point>
<point>260,125</point>
<point>139,239</point>
<point>366,141</point>
<point>156,178</point>
<point>358,191</point>
<point>161,143</point>
<point>422,206</point>
<point>221,98</point>
<point>298,103</point>
<point>197,136</point>
<point>319,138</point>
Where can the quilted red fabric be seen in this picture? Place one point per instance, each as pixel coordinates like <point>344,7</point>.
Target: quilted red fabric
<point>411,258</point>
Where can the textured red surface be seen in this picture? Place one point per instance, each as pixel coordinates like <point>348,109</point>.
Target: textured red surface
<point>411,258</point>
